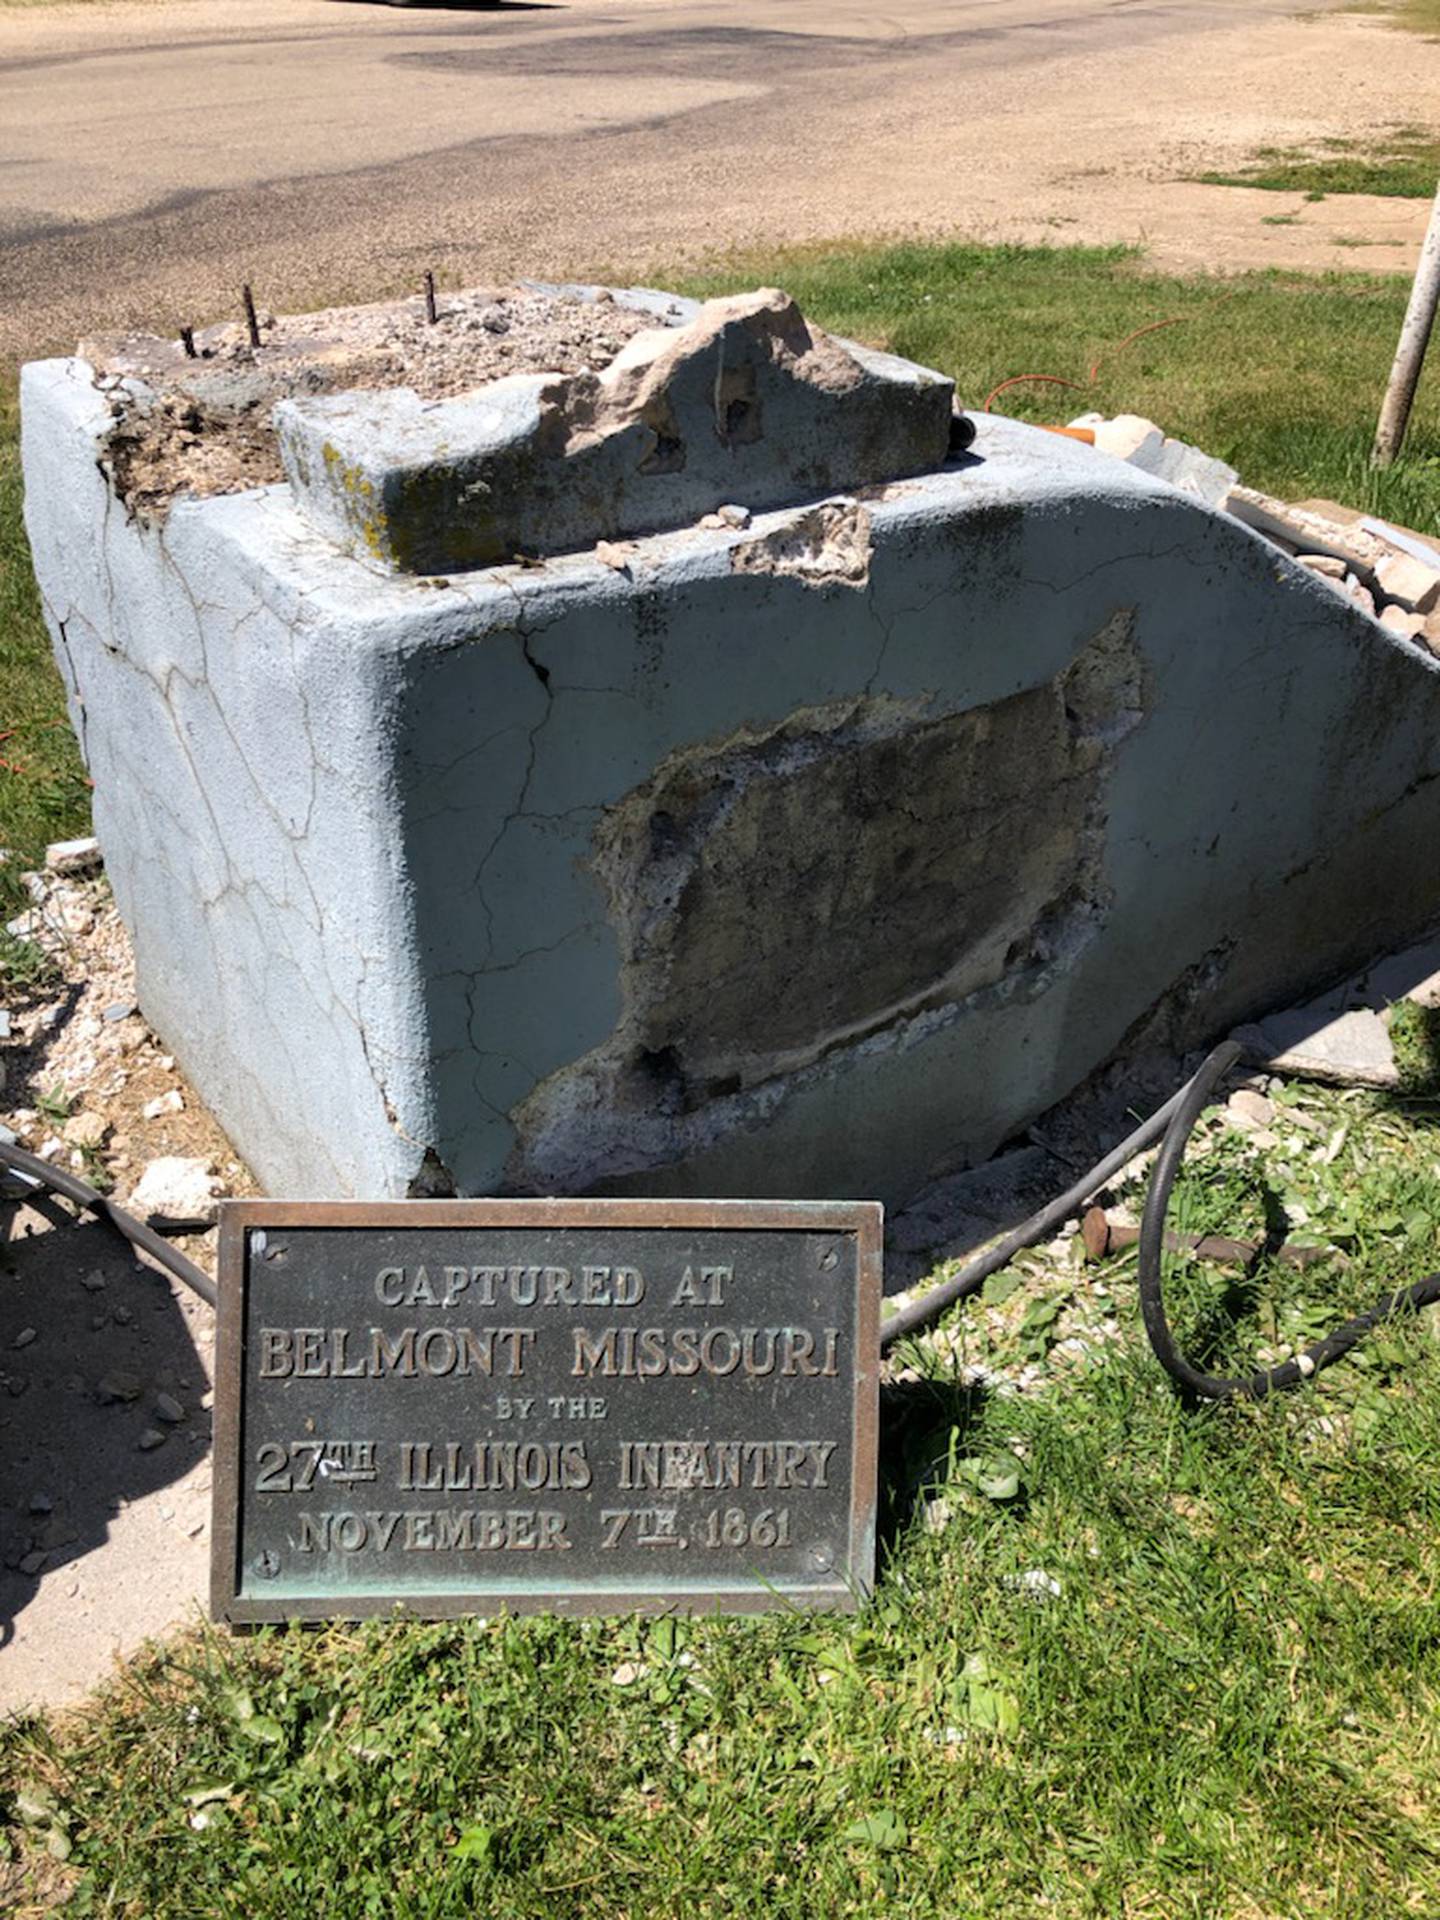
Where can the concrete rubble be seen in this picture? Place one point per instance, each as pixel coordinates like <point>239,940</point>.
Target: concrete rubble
<point>177,1188</point>
<point>1142,444</point>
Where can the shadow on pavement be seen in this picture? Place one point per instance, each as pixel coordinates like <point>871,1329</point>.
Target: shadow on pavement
<point>96,1359</point>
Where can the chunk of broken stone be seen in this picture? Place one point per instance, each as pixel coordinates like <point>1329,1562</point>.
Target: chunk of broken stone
<point>1409,582</point>
<point>1125,436</point>
<point>112,1388</point>
<point>1399,621</point>
<point>171,1102</point>
<point>168,1409</point>
<point>86,1129</point>
<point>1249,1110</point>
<point>73,856</point>
<point>175,1188</point>
<point>151,1438</point>
<point>1361,595</point>
<point>1328,565</point>
<point>1351,1048</point>
<point>746,398</point>
<point>1301,532</point>
<point>1140,443</point>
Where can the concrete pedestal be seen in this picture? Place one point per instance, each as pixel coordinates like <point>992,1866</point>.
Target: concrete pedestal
<point>808,856</point>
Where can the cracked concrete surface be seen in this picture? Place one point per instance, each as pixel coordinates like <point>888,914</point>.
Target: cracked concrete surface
<point>658,871</point>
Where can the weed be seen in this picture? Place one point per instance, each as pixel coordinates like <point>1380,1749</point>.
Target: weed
<point>25,968</point>
<point>56,1104</point>
<point>1401,163</point>
<point>1415,1043</point>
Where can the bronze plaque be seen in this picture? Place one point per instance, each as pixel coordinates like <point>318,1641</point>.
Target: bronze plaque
<point>440,1407</point>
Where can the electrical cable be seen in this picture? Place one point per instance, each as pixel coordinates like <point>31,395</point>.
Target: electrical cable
<point>1175,1120</point>
<point>135,1231</point>
<point>1210,1386</point>
<point>972,1277</point>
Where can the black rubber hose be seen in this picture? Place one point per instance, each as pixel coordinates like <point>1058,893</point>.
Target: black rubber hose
<point>1211,1386</point>
<point>973,1276</point>
<point>135,1231</point>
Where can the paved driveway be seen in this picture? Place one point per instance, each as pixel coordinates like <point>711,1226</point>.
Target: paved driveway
<point>153,153</point>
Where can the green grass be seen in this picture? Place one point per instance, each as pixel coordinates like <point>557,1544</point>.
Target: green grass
<point>1280,374</point>
<point>43,795</point>
<point>1180,1662</point>
<point>1413,16</point>
<point>1403,164</point>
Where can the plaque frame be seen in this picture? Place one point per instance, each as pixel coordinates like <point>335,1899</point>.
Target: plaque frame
<point>864,1220</point>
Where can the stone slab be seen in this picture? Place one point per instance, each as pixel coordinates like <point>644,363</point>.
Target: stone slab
<point>746,402</point>
<point>1351,1048</point>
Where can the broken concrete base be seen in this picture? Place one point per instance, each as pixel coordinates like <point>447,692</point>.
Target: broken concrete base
<point>744,401</point>
<point>810,856</point>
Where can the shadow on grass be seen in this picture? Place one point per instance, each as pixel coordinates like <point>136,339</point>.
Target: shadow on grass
<point>924,1425</point>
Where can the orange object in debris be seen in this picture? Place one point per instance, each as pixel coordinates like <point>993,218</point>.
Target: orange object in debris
<point>1087,434</point>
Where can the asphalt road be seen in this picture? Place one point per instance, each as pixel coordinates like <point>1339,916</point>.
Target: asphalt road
<point>155,153</point>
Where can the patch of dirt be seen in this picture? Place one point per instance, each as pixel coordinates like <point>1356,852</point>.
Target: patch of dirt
<point>201,425</point>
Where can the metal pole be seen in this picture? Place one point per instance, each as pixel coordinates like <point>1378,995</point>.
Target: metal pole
<point>1410,353</point>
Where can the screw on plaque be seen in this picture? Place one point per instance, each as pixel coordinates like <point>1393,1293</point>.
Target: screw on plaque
<point>277,1255</point>
<point>829,1260</point>
<point>822,1559</point>
<point>267,1564</point>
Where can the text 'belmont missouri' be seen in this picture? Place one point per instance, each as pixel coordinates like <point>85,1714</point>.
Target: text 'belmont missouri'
<point>502,1352</point>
